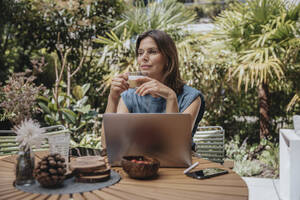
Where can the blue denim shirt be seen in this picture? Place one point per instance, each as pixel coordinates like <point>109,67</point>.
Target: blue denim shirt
<point>149,104</point>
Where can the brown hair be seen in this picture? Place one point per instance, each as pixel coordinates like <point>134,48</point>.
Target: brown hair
<point>167,48</point>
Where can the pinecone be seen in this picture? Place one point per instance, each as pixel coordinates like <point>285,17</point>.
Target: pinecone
<point>50,171</point>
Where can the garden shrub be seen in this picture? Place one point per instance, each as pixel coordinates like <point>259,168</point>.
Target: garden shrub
<point>32,28</point>
<point>247,167</point>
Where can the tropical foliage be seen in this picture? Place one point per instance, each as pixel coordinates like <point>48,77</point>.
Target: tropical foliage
<point>118,54</point>
<point>263,35</point>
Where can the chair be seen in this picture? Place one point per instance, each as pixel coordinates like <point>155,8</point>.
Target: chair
<point>209,142</point>
<point>8,144</point>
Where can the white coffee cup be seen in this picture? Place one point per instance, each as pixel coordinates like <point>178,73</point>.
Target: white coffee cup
<point>133,77</point>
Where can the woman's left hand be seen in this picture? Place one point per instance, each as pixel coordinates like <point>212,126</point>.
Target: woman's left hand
<point>154,88</point>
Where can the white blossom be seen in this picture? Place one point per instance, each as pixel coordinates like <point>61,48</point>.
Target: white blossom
<point>29,133</point>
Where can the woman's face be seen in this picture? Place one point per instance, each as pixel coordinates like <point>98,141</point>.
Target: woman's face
<point>150,59</point>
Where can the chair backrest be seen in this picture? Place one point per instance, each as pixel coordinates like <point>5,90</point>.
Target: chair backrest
<point>210,143</point>
<point>8,144</point>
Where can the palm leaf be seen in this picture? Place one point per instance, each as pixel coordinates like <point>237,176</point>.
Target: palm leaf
<point>294,12</point>
<point>254,68</point>
<point>294,100</point>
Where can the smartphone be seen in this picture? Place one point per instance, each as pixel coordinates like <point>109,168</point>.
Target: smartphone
<point>207,173</point>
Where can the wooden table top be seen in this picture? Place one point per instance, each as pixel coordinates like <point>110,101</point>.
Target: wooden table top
<point>171,184</point>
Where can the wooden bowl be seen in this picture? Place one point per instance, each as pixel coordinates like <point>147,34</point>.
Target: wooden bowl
<point>140,167</point>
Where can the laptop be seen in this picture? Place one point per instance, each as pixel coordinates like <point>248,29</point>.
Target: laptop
<point>166,137</point>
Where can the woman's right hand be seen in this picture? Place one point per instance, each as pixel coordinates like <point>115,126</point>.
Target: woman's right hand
<point>118,85</point>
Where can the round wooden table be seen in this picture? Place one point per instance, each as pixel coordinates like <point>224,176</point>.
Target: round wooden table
<point>171,184</point>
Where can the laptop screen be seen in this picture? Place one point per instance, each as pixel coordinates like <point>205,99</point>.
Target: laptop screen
<point>166,137</point>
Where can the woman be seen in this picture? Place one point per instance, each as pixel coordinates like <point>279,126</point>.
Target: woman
<point>162,90</point>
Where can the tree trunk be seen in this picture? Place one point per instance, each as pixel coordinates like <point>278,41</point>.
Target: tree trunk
<point>264,119</point>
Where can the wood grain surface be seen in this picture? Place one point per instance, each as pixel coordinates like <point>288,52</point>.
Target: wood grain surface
<point>170,184</point>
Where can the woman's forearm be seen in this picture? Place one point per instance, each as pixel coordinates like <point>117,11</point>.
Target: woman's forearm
<point>172,104</point>
<point>112,104</point>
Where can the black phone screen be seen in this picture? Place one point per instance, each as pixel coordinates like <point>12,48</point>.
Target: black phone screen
<point>206,173</point>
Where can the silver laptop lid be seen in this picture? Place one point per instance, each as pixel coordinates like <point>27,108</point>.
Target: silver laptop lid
<point>166,137</point>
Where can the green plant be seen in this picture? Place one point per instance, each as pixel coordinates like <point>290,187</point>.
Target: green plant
<point>78,116</point>
<point>252,160</point>
<point>270,158</point>
<point>168,16</point>
<point>91,141</point>
<point>240,153</point>
<point>18,36</point>
<point>236,151</point>
<point>247,167</point>
<point>209,9</point>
